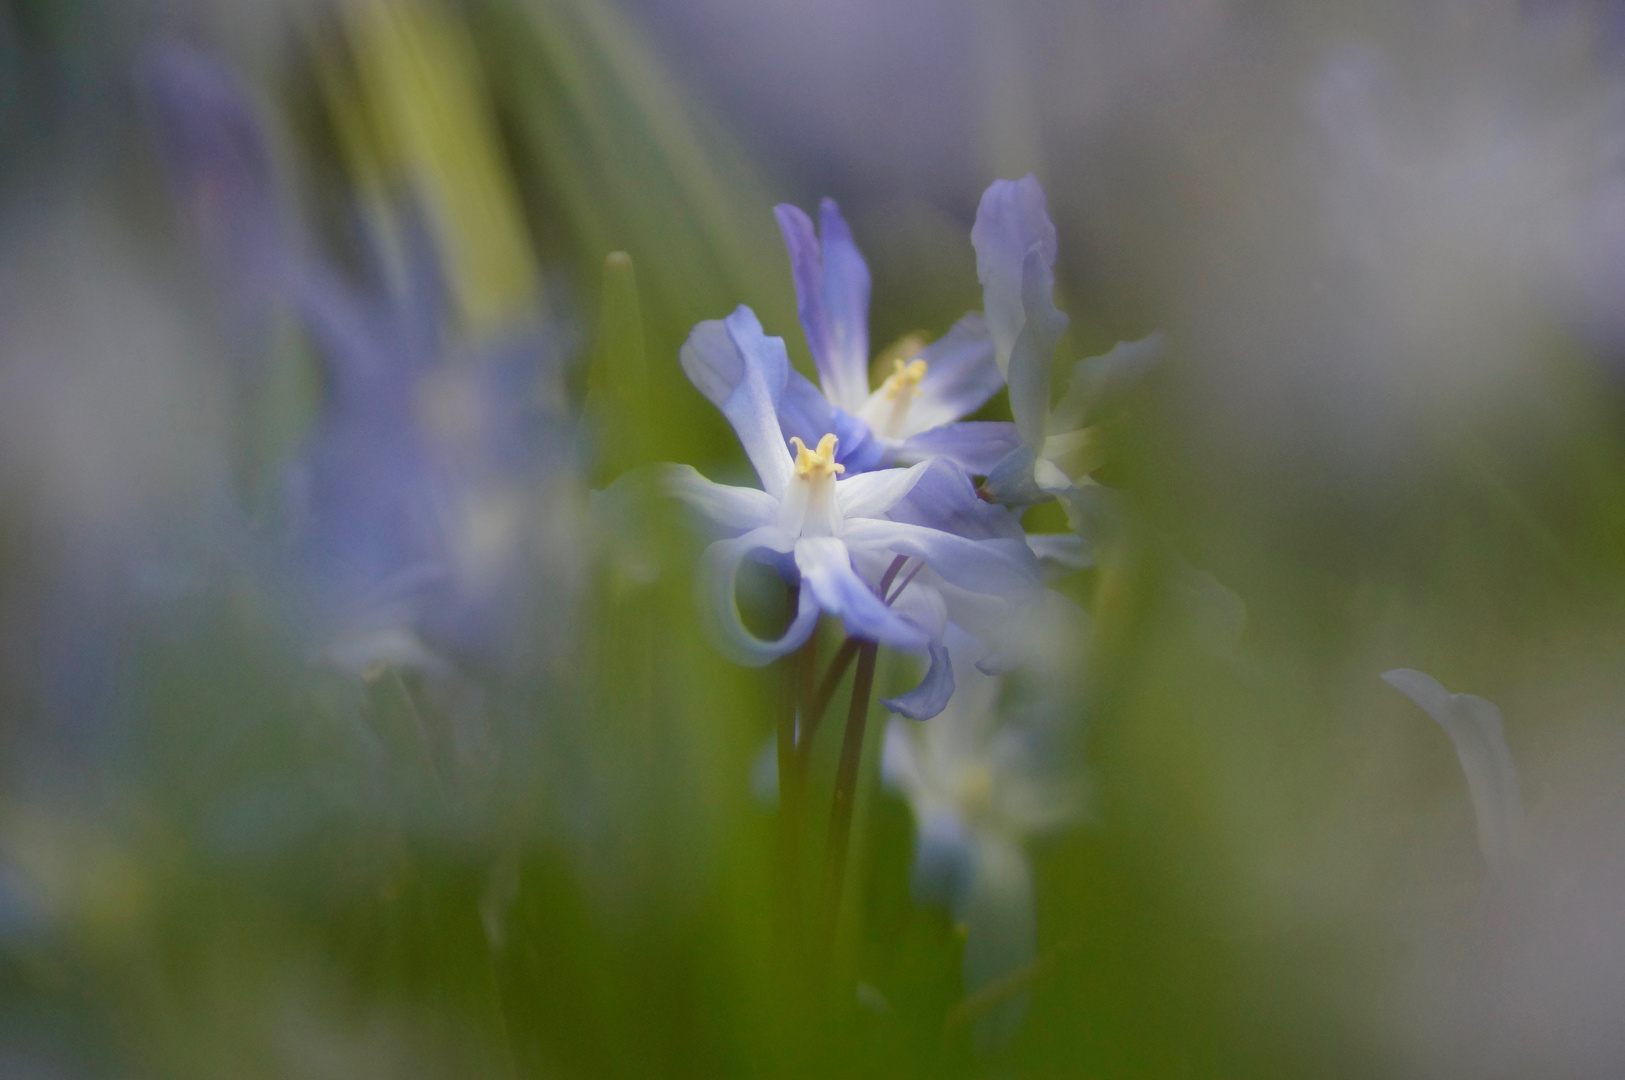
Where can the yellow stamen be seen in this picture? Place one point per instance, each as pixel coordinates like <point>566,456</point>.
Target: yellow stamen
<point>905,379</point>
<point>819,463</point>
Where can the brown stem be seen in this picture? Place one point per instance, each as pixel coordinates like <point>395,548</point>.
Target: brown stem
<point>818,702</point>
<point>846,785</point>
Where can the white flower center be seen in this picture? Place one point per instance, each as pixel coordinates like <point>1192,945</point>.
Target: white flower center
<point>809,502</point>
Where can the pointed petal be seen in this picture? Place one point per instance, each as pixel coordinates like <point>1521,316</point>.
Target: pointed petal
<point>753,405</point>
<point>961,375</point>
<point>826,573</point>
<point>871,494</point>
<point>1033,354</point>
<point>717,583</point>
<point>735,510</point>
<point>977,446</point>
<point>985,566</point>
<point>945,499</point>
<point>1011,222</point>
<point>1474,726</point>
<point>711,361</point>
<point>846,303</point>
<point>832,298</point>
<point>931,696</point>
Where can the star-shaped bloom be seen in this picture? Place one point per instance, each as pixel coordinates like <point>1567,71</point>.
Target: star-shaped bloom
<point>436,488</point>
<point>915,413</point>
<point>981,785</point>
<point>1015,245</point>
<point>833,533</point>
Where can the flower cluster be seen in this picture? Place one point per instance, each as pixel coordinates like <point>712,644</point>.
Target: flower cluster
<point>871,510</point>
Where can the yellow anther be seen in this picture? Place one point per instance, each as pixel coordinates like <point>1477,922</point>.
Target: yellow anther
<point>819,463</point>
<point>905,379</point>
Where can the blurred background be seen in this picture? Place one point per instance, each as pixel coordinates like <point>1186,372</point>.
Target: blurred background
<point>280,796</point>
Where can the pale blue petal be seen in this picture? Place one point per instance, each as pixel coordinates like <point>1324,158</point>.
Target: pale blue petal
<point>805,413</point>
<point>711,361</point>
<point>1474,726</point>
<point>977,446</point>
<point>931,696</point>
<point>753,405</point>
<point>826,573</point>
<point>1000,933</point>
<point>846,303</point>
<point>1011,481</point>
<point>944,498</point>
<point>717,583</point>
<point>735,510</point>
<point>1012,220</point>
<point>960,375</point>
<point>859,450</point>
<point>1033,355</point>
<point>996,566</point>
<point>871,494</point>
<point>1060,554</point>
<point>1096,384</point>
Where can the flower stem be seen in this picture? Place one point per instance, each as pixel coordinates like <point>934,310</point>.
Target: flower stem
<point>846,784</point>
<point>792,788</point>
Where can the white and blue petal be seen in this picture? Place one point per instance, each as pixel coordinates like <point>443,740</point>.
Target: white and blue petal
<point>718,584</point>
<point>977,446</point>
<point>711,361</point>
<point>871,494</point>
<point>827,574</point>
<point>1033,355</point>
<point>944,498</point>
<point>733,510</point>
<point>997,566</point>
<point>752,407</point>
<point>961,375</point>
<point>1011,222</point>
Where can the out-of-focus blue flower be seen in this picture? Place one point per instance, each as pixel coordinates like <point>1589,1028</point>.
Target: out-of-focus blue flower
<point>913,415</point>
<point>432,509</point>
<point>1015,245</point>
<point>980,786</point>
<point>841,539</point>
<point>437,493</point>
<point>1474,726</point>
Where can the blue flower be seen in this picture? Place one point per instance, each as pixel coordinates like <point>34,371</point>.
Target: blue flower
<point>911,416</point>
<point>840,536</point>
<point>1015,245</point>
<point>432,510</point>
<point>980,786</point>
<point>437,489</point>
